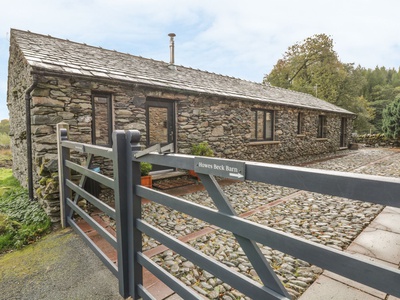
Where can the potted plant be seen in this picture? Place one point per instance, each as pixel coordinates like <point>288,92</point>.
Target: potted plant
<point>200,149</point>
<point>146,179</point>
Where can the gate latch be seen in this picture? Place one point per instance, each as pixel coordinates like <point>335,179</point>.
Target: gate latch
<point>156,148</point>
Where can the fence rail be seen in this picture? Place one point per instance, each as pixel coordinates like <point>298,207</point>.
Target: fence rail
<point>130,225</point>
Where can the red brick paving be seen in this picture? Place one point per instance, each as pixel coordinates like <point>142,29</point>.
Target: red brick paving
<point>165,185</point>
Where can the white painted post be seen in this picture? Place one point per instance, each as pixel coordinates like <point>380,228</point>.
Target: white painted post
<point>60,172</point>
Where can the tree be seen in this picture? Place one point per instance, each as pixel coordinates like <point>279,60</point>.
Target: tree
<point>365,113</point>
<point>313,67</point>
<point>381,88</point>
<point>391,119</point>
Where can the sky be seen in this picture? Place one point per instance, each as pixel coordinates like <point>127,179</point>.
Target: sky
<point>237,38</point>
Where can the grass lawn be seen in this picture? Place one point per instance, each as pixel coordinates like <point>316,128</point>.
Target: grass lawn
<point>21,221</point>
<point>7,181</point>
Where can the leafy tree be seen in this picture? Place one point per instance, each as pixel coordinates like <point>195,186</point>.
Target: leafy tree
<point>391,119</point>
<point>365,113</point>
<point>381,88</point>
<point>313,67</point>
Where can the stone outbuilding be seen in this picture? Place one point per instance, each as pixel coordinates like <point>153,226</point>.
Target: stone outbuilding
<point>96,91</point>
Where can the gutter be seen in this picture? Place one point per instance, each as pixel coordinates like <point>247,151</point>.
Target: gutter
<point>28,99</point>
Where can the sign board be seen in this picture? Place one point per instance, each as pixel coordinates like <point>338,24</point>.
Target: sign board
<point>219,167</point>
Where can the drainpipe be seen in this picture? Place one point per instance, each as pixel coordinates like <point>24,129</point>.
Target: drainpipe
<point>28,99</point>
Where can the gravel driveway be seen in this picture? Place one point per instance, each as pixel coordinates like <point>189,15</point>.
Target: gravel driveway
<point>327,220</point>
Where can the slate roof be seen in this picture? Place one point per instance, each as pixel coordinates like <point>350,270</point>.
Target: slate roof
<point>63,56</point>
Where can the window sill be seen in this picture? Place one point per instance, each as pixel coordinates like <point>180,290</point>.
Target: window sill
<point>321,139</point>
<point>264,143</point>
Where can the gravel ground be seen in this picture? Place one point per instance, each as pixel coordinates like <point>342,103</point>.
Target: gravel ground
<point>327,220</point>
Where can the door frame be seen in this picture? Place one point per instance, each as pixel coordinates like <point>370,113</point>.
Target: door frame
<point>170,105</point>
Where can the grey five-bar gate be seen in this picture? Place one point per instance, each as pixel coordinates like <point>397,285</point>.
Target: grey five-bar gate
<point>126,157</point>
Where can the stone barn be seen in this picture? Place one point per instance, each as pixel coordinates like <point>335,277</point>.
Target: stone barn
<point>95,91</point>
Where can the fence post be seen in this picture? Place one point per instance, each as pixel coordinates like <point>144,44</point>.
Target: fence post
<point>122,200</point>
<point>135,211</point>
<point>63,172</point>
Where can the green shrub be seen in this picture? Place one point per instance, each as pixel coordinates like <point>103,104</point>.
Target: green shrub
<point>5,140</point>
<point>202,149</point>
<point>5,126</point>
<point>21,221</point>
<point>145,168</point>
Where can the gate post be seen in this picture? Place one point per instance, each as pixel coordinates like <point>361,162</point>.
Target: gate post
<point>63,172</point>
<point>135,211</point>
<point>122,200</point>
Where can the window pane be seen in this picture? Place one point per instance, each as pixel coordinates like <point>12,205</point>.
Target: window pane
<point>260,125</point>
<point>268,125</point>
<point>101,119</point>
<point>322,126</point>
<point>300,123</point>
<point>158,120</point>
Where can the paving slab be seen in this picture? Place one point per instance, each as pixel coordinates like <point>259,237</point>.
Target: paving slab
<point>376,243</point>
<point>360,286</point>
<point>355,284</point>
<point>329,289</point>
<point>393,209</point>
<point>388,220</point>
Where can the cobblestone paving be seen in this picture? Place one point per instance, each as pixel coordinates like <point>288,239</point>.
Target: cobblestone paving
<point>353,160</point>
<point>327,220</point>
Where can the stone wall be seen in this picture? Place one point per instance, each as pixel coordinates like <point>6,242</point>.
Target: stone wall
<point>19,80</point>
<point>68,100</point>
<point>158,131</point>
<point>224,123</point>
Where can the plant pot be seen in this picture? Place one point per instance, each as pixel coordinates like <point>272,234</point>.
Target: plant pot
<point>194,174</point>
<point>146,181</point>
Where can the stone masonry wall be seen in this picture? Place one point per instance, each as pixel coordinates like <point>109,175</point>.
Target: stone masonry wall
<point>19,80</point>
<point>68,100</point>
<point>224,123</point>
